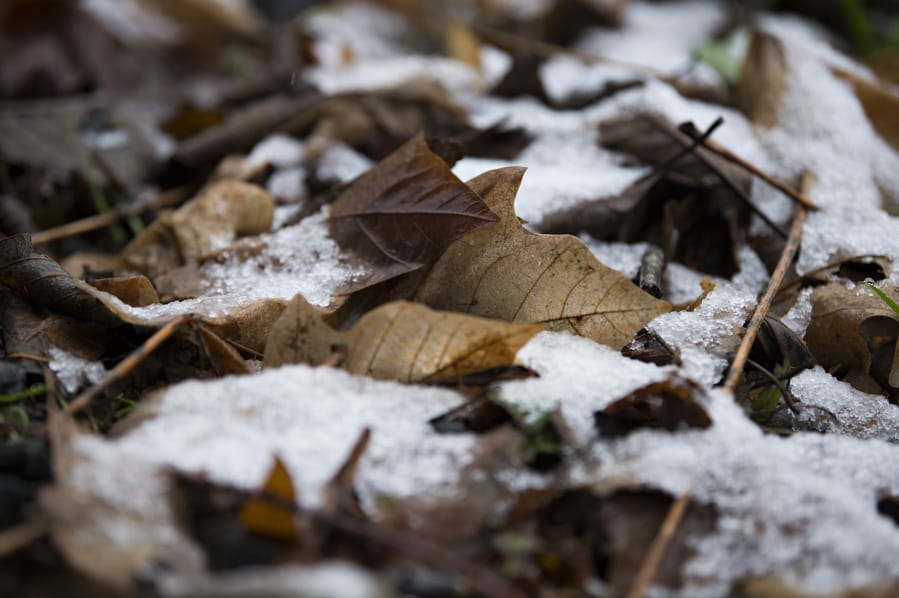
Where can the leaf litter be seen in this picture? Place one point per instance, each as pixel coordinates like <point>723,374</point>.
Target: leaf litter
<point>324,468</point>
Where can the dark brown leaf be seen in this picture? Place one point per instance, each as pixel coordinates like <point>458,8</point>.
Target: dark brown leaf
<point>404,213</point>
<point>670,404</point>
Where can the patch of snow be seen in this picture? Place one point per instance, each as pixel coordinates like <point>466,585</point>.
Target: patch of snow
<point>849,159</point>
<point>296,259</point>
<point>231,429</point>
<point>802,508</point>
<point>494,64</point>
<point>563,170</point>
<point>857,413</point>
<point>277,150</point>
<point>566,77</point>
<point>74,372</point>
<point>706,335</point>
<point>287,186</point>
<point>800,315</point>
<point>389,73</point>
<point>648,38</point>
<point>340,162</point>
<point>577,376</point>
<point>334,579</point>
<point>624,257</point>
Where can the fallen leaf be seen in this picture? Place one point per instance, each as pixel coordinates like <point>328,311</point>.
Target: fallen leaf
<point>40,279</point>
<point>462,44</point>
<point>854,332</point>
<point>763,79</point>
<point>507,273</point>
<point>218,215</point>
<point>136,291</point>
<point>670,404</point>
<point>404,212</point>
<point>400,341</point>
<point>881,105</point>
<point>264,515</point>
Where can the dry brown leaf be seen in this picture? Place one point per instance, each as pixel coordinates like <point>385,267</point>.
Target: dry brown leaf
<point>222,212</point>
<point>854,332</point>
<point>400,341</point>
<point>881,105</point>
<point>506,273</point>
<point>763,79</point>
<point>136,291</point>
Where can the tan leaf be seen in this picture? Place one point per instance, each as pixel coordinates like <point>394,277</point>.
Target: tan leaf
<point>136,291</point>
<point>854,332</point>
<point>881,105</point>
<point>222,212</point>
<point>506,273</point>
<point>763,79</point>
<point>400,341</point>
<point>462,44</point>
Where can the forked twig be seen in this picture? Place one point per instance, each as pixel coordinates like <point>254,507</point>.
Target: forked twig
<point>713,146</point>
<point>125,366</point>
<point>656,552</point>
<point>764,304</point>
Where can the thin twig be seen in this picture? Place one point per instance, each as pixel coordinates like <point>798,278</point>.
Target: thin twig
<point>22,535</point>
<point>29,356</point>
<point>702,140</point>
<point>764,304</point>
<point>788,397</point>
<point>125,366</point>
<point>716,148</point>
<point>161,200</point>
<point>653,560</point>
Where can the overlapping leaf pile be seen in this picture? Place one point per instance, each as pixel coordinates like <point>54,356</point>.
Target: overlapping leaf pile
<point>296,352</point>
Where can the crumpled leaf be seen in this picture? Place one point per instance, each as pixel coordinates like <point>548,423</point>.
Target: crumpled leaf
<point>670,404</point>
<point>404,212</point>
<point>881,105</point>
<point>854,333</point>
<point>763,79</point>
<point>213,219</point>
<point>398,341</point>
<point>508,273</point>
<point>266,518</point>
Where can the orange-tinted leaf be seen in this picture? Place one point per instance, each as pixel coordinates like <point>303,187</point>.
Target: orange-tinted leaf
<point>267,517</point>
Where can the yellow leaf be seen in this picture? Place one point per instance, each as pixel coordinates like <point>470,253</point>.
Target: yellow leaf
<point>266,517</point>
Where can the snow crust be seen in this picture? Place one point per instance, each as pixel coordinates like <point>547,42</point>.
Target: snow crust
<point>74,372</point>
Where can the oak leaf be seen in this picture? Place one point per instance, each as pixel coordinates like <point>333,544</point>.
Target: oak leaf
<point>400,341</point>
<point>508,273</point>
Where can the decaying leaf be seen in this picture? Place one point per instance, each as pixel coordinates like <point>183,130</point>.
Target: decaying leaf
<point>262,515</point>
<point>222,212</point>
<point>853,333</point>
<point>507,273</point>
<point>881,105</point>
<point>404,212</point>
<point>399,341</point>
<point>670,404</point>
<point>763,79</point>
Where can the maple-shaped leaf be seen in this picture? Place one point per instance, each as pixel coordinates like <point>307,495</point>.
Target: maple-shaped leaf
<point>404,212</point>
<point>508,273</point>
<point>400,341</point>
